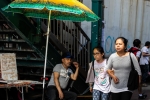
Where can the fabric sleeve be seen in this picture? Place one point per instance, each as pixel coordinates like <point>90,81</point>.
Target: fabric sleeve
<point>138,54</point>
<point>144,49</point>
<point>109,63</point>
<point>70,72</point>
<point>136,64</point>
<point>57,68</point>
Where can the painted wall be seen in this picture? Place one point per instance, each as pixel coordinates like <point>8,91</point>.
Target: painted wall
<point>86,26</point>
<point>127,18</point>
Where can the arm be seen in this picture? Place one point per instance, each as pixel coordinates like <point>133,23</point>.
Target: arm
<point>91,87</point>
<point>111,74</point>
<point>136,65</point>
<point>110,71</point>
<point>75,75</point>
<point>144,51</point>
<point>56,81</point>
<point>90,77</point>
<point>145,54</point>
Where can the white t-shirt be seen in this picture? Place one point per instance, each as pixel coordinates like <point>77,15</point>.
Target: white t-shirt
<point>144,60</point>
<point>138,54</point>
<point>102,80</point>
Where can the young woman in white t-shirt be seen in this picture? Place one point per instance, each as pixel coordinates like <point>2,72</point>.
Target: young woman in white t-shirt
<point>97,77</point>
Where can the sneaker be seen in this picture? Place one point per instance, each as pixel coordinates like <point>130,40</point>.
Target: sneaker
<point>144,85</point>
<point>143,96</point>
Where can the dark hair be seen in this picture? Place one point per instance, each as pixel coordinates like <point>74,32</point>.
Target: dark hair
<point>125,41</point>
<point>100,49</point>
<point>136,42</point>
<point>67,55</point>
<point>147,43</point>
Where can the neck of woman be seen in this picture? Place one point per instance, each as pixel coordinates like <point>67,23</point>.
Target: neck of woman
<point>121,53</point>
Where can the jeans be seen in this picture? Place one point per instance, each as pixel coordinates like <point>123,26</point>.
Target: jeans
<point>98,95</point>
<point>52,94</point>
<point>144,70</point>
<point>121,95</point>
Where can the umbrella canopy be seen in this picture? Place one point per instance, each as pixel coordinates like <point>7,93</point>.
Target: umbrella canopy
<point>61,9</point>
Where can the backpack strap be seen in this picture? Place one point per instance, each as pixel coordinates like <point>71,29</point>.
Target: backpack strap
<point>140,56</point>
<point>132,65</point>
<point>93,68</point>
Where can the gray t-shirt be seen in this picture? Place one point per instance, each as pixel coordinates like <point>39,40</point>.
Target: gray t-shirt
<point>64,76</point>
<point>122,68</point>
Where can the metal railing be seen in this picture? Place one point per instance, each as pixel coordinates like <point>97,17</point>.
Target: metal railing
<point>74,39</point>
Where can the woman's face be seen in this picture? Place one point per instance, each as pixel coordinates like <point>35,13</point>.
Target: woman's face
<point>119,45</point>
<point>97,55</point>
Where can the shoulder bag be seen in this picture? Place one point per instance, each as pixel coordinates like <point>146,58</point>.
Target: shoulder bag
<point>133,80</point>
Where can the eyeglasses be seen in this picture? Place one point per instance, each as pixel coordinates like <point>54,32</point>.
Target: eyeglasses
<point>96,53</point>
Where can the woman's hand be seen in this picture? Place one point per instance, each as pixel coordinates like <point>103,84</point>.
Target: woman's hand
<point>115,79</point>
<point>112,74</point>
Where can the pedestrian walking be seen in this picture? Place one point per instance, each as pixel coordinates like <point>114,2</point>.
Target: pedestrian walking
<point>144,63</point>
<point>98,79</point>
<point>120,63</point>
<point>137,52</point>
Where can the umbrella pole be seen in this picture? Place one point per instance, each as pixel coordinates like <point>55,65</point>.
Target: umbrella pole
<point>47,39</point>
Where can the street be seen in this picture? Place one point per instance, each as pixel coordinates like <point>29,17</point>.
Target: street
<point>146,90</point>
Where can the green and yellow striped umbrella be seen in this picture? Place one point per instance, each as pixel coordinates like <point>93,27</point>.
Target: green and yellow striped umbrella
<point>61,9</point>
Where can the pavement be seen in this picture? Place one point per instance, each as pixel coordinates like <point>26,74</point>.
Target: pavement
<point>146,90</point>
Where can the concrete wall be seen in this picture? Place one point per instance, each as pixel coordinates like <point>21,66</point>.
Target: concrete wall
<point>127,18</point>
<point>86,26</point>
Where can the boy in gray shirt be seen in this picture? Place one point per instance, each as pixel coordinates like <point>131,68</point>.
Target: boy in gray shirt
<point>60,77</point>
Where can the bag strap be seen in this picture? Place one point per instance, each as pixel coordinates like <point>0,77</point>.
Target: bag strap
<point>93,68</point>
<point>132,65</point>
<point>140,56</point>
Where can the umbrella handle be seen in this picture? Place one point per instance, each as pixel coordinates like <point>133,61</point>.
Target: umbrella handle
<point>47,39</point>
<point>48,28</point>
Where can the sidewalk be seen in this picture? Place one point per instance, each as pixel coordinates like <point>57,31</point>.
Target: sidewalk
<point>146,90</point>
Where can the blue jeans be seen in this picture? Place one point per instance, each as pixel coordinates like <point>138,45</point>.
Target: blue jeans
<point>52,94</point>
<point>98,95</point>
<point>144,70</point>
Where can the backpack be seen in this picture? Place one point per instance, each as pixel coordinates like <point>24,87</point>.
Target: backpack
<point>134,51</point>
